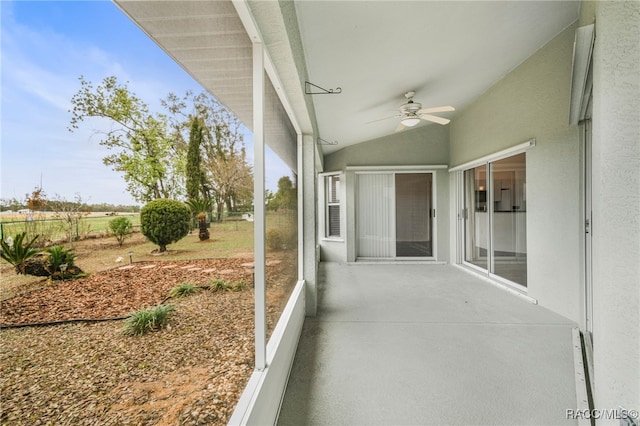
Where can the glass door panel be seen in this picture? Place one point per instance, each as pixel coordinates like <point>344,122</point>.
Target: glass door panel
<point>414,221</point>
<point>476,221</point>
<point>375,215</point>
<point>509,219</point>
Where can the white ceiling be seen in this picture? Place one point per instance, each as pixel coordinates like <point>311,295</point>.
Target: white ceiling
<point>448,52</point>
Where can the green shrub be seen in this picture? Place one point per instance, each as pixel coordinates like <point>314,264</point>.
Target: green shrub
<point>274,239</point>
<point>146,320</point>
<point>121,228</point>
<point>183,290</point>
<point>165,221</point>
<point>281,239</point>
<point>17,253</point>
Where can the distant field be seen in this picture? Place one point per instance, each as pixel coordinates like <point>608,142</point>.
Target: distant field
<point>49,226</point>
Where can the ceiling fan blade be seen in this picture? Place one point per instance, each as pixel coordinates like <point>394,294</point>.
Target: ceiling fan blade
<point>400,127</point>
<point>435,119</point>
<point>447,108</point>
<point>381,119</point>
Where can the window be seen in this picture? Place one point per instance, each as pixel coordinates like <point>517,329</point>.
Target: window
<point>332,226</point>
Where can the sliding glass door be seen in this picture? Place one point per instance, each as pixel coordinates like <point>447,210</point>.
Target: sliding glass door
<point>395,215</point>
<point>476,224</point>
<point>495,218</point>
<point>414,213</point>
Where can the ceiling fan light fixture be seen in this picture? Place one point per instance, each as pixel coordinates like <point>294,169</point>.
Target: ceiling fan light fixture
<point>410,121</point>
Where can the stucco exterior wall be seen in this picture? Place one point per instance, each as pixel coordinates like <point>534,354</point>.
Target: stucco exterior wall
<point>425,145</point>
<point>616,205</point>
<point>532,102</point>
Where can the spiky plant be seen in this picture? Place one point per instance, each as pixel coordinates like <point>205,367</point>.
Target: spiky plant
<point>219,285</point>
<point>239,286</point>
<point>19,252</point>
<point>59,255</point>
<point>183,290</point>
<point>146,320</point>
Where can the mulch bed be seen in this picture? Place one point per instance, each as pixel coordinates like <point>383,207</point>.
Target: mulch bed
<point>117,292</point>
<point>192,372</point>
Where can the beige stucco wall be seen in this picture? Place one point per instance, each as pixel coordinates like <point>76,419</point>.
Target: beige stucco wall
<point>428,144</point>
<point>616,206</point>
<point>532,102</point>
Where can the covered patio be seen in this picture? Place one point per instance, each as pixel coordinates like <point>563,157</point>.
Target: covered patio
<point>428,344</point>
<point>545,116</point>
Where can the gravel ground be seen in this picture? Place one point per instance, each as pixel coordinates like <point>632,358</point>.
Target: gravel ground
<point>192,372</point>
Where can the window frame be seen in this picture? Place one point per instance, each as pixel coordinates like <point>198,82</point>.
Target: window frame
<point>328,179</point>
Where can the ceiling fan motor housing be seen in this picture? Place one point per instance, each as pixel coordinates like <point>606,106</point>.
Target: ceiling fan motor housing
<point>410,108</point>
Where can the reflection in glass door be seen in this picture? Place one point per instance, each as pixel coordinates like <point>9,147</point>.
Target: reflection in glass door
<point>476,222</point>
<point>414,218</point>
<point>495,233</point>
<point>509,219</point>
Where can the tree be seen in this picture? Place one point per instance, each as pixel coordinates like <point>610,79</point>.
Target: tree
<point>226,175</point>
<point>11,204</point>
<point>71,213</point>
<point>121,227</point>
<point>231,181</point>
<point>194,171</point>
<point>286,197</point>
<point>140,145</point>
<point>165,221</point>
<point>37,200</point>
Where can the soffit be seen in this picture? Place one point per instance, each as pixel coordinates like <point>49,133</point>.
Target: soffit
<point>208,40</point>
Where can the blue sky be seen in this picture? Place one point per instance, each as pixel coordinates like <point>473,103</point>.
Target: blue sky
<point>45,47</point>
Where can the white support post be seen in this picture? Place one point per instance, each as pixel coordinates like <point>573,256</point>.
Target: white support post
<point>259,208</point>
<point>301,233</point>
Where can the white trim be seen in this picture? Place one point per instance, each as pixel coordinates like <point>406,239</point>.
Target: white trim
<point>259,209</point>
<point>582,399</point>
<point>250,26</point>
<point>262,396</point>
<point>300,187</point>
<point>509,152</point>
<point>396,168</point>
<point>580,81</point>
<point>323,215</point>
<point>333,239</point>
<point>500,285</point>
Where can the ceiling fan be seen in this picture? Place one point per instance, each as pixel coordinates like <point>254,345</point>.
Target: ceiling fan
<point>412,112</point>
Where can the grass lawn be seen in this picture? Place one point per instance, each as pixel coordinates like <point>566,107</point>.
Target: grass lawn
<point>228,239</point>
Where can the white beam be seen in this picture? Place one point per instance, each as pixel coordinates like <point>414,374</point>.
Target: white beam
<point>259,208</point>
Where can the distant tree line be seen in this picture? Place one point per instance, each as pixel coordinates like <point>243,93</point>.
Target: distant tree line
<point>13,204</point>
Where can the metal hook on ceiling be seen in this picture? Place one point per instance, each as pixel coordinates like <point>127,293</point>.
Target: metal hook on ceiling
<point>309,91</point>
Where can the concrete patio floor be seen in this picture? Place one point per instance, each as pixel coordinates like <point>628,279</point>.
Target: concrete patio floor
<point>420,344</point>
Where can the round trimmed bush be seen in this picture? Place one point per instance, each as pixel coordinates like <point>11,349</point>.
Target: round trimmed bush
<point>165,221</point>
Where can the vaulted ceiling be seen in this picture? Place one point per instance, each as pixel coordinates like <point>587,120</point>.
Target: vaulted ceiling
<point>448,52</point>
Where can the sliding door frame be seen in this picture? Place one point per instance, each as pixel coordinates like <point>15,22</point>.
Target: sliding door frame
<point>393,170</point>
<point>460,239</point>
